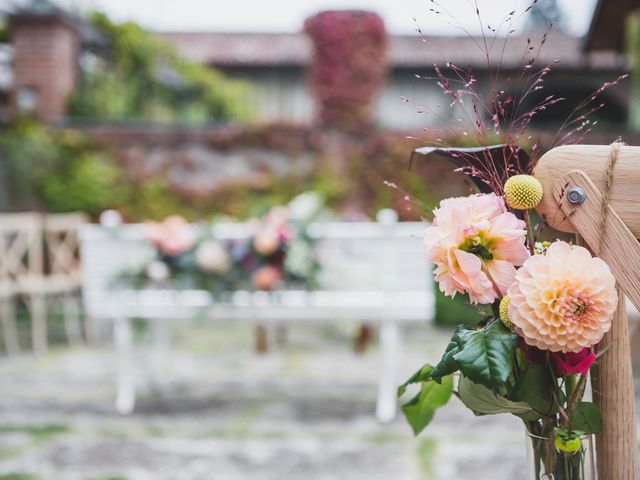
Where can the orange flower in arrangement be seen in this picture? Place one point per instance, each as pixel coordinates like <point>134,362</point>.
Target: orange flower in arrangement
<point>266,277</point>
<point>563,301</point>
<point>172,237</point>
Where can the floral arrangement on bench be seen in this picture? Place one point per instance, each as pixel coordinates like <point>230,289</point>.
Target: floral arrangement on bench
<point>279,252</point>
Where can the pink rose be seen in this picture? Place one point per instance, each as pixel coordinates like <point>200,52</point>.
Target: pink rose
<point>571,363</point>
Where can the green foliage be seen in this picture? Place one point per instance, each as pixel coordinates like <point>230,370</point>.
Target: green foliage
<point>420,410</point>
<point>27,151</point>
<point>484,355</point>
<point>534,388</point>
<point>58,170</point>
<point>586,417</point>
<point>145,79</point>
<point>38,432</point>
<point>452,312</point>
<point>87,183</point>
<point>482,401</point>
<point>4,32</point>
<point>422,375</point>
<point>153,199</point>
<point>18,476</point>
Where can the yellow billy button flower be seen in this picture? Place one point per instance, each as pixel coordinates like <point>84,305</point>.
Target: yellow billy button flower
<point>567,441</point>
<point>568,446</point>
<point>522,192</point>
<point>504,313</point>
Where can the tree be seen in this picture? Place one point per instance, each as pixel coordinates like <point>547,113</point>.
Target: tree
<point>545,12</point>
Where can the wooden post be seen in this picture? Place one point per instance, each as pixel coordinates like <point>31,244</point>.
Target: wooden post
<point>613,392</point>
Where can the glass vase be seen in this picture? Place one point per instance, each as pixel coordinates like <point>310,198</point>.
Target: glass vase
<point>545,462</point>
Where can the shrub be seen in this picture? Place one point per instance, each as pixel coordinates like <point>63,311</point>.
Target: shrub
<point>56,170</point>
<point>143,78</point>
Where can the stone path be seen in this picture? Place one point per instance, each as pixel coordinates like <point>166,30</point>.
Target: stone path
<point>303,411</point>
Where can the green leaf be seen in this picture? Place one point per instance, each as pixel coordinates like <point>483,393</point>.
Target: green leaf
<point>447,365</point>
<point>486,356</point>
<point>534,388</point>
<point>586,417</point>
<point>422,375</point>
<point>421,408</point>
<point>483,401</point>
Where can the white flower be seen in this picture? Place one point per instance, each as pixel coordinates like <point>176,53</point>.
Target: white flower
<point>304,206</point>
<point>157,271</point>
<point>110,219</point>
<point>211,257</point>
<point>299,259</point>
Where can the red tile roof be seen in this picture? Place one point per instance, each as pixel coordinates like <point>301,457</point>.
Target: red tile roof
<point>281,49</point>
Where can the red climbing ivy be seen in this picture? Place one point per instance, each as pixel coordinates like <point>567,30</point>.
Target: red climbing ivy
<point>349,65</point>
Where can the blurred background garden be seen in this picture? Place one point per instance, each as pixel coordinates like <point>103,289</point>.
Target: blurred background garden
<point>205,154</point>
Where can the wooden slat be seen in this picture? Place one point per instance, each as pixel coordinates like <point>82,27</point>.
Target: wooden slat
<point>593,161</point>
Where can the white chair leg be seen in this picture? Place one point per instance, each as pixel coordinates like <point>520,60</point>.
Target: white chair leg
<point>126,388</point>
<point>9,327</point>
<point>91,333</point>
<point>71,312</point>
<point>38,307</point>
<point>390,345</point>
<point>158,353</point>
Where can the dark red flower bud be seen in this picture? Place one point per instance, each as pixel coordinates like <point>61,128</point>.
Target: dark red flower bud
<point>571,363</point>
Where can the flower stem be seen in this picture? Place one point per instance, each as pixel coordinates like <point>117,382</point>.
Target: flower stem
<point>527,221</point>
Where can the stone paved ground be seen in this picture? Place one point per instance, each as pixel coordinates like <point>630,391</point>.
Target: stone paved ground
<point>303,411</point>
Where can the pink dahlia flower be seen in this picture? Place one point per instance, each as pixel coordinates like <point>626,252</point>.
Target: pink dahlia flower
<point>172,237</point>
<point>476,245</point>
<point>563,301</point>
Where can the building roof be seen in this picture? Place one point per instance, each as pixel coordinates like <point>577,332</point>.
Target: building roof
<point>405,51</point>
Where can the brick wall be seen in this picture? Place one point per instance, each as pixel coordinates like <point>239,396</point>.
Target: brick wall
<point>45,63</point>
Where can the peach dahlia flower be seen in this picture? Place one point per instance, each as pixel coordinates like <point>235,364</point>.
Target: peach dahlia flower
<point>476,245</point>
<point>563,301</point>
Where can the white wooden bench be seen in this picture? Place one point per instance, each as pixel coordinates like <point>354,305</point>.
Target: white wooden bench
<point>370,272</point>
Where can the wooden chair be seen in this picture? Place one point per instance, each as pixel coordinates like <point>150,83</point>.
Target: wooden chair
<point>20,259</point>
<point>39,263</point>
<point>63,278</point>
<point>592,190</point>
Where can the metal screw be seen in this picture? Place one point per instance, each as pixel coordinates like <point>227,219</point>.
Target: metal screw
<point>576,195</point>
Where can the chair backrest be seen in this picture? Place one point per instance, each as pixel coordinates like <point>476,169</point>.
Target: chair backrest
<point>21,252</point>
<point>62,245</point>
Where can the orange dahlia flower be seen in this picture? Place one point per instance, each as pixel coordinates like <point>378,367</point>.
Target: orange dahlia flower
<point>563,301</point>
